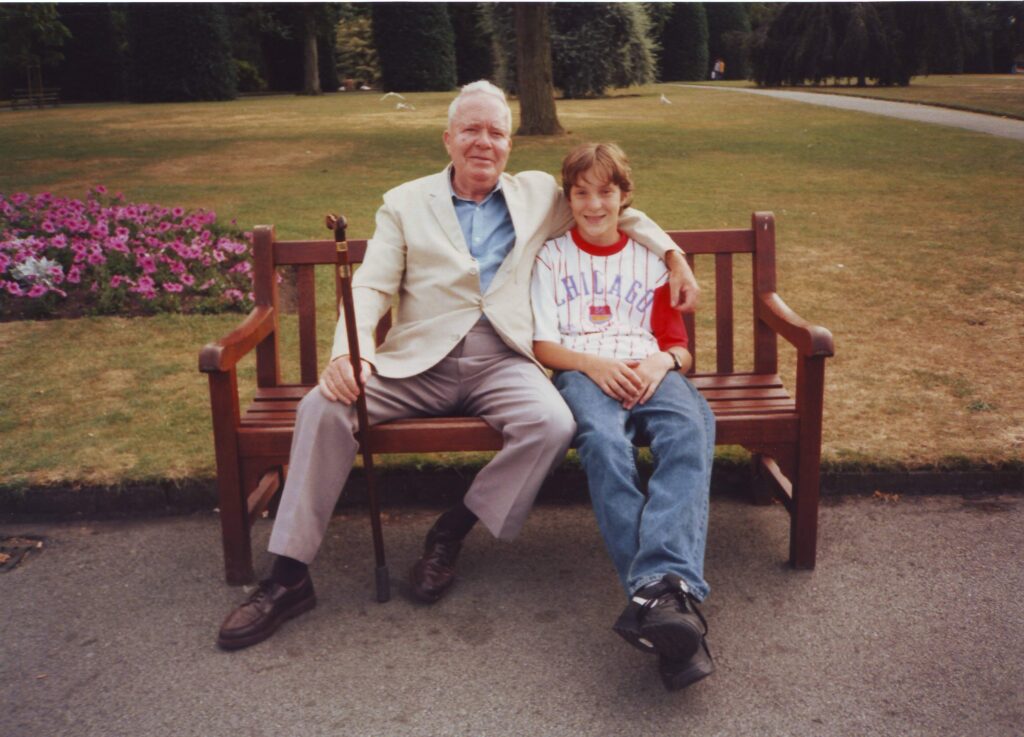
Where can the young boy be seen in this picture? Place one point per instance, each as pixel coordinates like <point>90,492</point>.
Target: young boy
<point>603,321</point>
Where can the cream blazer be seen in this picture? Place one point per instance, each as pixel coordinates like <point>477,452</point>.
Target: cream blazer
<point>418,253</point>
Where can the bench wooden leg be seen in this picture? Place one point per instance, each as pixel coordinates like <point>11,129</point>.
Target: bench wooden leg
<point>234,513</point>
<point>803,529</point>
<point>803,542</point>
<point>234,527</point>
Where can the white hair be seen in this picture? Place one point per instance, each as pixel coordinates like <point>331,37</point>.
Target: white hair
<point>480,87</point>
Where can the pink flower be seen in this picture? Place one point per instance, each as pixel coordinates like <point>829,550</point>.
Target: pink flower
<point>74,275</point>
<point>15,289</point>
<point>188,280</point>
<point>178,212</point>
<point>172,286</point>
<point>100,189</point>
<point>37,290</point>
<point>115,281</point>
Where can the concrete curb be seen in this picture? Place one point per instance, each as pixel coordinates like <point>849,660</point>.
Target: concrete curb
<point>443,486</point>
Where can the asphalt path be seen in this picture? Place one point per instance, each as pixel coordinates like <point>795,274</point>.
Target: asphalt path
<point>910,625</point>
<point>990,124</point>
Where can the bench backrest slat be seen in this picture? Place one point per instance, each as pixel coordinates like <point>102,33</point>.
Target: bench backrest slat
<point>758,240</point>
<point>305,287</point>
<point>723,313</point>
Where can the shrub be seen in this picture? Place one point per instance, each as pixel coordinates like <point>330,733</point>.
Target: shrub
<point>684,43</point>
<point>416,46</point>
<point>179,52</point>
<point>64,257</point>
<point>593,46</point>
<point>249,79</point>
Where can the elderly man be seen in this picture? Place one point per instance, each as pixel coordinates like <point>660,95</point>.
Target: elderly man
<point>458,248</point>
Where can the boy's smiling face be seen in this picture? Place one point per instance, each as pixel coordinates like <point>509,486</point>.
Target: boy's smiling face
<point>595,206</point>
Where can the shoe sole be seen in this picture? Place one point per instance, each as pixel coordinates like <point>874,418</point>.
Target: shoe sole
<point>699,668</point>
<point>237,643</point>
<point>672,639</point>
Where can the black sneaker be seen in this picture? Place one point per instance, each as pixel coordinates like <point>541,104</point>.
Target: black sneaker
<point>678,674</point>
<point>667,620</point>
<point>627,626</point>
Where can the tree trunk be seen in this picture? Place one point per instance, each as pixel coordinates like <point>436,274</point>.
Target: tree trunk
<point>311,63</point>
<point>537,114</point>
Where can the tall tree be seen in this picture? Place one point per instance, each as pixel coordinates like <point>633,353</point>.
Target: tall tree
<point>821,41</point>
<point>684,43</point>
<point>473,57</point>
<point>537,113</point>
<point>593,46</point>
<point>179,52</point>
<point>728,32</point>
<point>357,57</point>
<point>600,45</point>
<point>31,37</point>
<point>310,58</point>
<point>415,45</point>
<point>94,54</point>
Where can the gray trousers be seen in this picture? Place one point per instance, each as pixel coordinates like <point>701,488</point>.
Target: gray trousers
<point>481,377</point>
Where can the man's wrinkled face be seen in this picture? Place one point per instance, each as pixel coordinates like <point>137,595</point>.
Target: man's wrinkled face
<point>478,142</point>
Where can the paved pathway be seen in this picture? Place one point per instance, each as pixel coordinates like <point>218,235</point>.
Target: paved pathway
<point>909,627</point>
<point>991,124</point>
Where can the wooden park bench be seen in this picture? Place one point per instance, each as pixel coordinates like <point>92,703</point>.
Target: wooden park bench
<point>753,409</point>
<point>35,98</point>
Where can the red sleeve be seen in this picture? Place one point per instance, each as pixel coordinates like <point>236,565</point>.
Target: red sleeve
<point>666,323</point>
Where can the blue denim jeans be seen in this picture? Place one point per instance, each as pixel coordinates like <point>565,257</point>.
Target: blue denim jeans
<point>664,530</point>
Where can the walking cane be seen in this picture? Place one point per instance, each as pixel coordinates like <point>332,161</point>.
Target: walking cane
<point>338,225</point>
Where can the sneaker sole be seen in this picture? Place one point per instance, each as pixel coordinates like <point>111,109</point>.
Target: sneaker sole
<point>672,639</point>
<point>237,643</point>
<point>699,668</point>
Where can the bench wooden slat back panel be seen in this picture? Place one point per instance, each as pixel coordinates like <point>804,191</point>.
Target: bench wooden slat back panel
<point>723,313</point>
<point>305,284</point>
<point>759,241</point>
<point>264,288</point>
<point>689,322</point>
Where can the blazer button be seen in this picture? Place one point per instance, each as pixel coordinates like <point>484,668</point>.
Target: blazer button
<point>473,270</point>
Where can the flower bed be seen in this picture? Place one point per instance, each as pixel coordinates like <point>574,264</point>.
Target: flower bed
<point>64,258</point>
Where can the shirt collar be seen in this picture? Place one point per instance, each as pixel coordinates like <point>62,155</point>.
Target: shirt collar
<point>451,189</point>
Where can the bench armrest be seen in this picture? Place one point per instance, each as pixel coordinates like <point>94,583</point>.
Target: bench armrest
<point>223,354</point>
<point>810,340</point>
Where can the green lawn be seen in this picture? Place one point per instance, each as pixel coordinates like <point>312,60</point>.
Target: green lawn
<point>996,94</point>
<point>902,238</point>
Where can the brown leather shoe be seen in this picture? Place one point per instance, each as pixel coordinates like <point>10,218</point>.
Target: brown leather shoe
<point>434,572</point>
<point>269,606</point>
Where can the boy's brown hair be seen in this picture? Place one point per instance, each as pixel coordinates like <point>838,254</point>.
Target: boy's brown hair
<point>606,160</point>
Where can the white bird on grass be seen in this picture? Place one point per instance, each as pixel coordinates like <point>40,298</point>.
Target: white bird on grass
<point>665,100</point>
<point>404,106</point>
<point>391,94</point>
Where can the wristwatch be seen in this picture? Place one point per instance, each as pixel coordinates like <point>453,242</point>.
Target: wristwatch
<point>676,366</point>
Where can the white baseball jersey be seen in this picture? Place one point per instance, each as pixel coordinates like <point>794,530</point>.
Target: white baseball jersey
<point>611,301</point>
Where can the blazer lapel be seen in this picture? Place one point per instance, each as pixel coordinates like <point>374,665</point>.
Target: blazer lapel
<point>440,198</point>
<point>514,202</point>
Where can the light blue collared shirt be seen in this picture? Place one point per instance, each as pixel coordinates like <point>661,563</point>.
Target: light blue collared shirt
<point>487,228</point>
